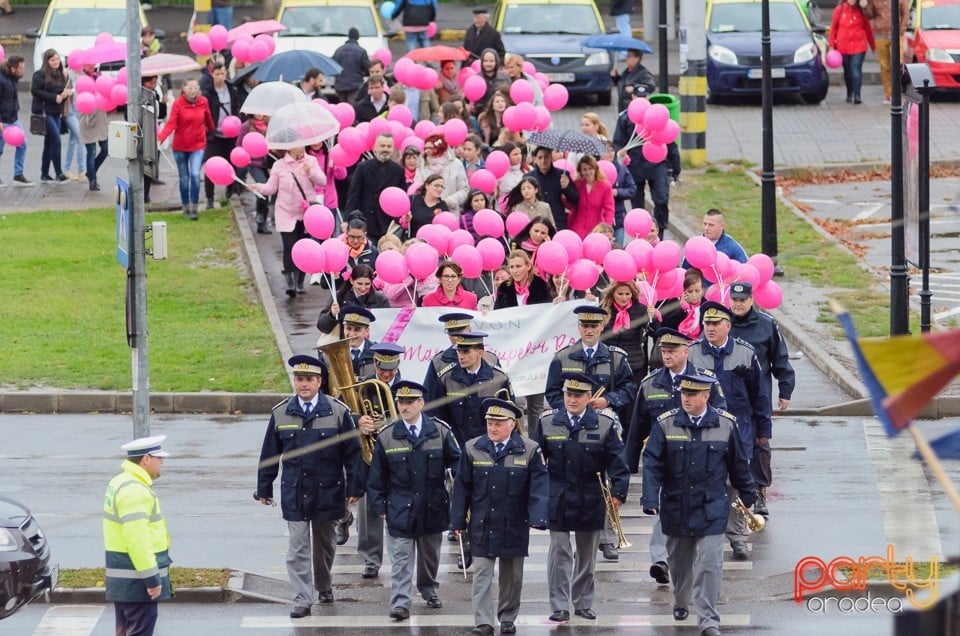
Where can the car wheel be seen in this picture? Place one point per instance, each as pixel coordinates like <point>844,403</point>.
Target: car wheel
<point>605,98</point>
<point>820,94</point>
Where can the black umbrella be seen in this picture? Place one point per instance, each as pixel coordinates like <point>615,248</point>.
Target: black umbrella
<point>568,141</point>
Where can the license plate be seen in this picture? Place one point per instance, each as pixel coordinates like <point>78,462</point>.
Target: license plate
<point>775,73</point>
<point>561,77</point>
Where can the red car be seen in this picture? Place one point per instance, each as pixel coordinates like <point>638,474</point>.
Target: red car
<point>933,37</point>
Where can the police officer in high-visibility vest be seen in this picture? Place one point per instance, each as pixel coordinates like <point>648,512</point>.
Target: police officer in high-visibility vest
<point>406,487</point>
<point>502,488</point>
<point>136,540</point>
<point>317,482</point>
<point>582,447</point>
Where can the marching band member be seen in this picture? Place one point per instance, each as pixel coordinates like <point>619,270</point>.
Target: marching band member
<point>453,324</point>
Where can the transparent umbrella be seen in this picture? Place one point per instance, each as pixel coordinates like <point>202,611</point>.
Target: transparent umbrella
<point>302,124</point>
<point>269,97</point>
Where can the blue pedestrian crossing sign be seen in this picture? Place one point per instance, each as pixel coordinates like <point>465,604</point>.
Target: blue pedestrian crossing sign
<point>124,229</point>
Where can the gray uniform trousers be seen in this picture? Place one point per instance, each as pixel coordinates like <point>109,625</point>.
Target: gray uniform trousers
<point>311,543</point>
<point>401,552</point>
<point>658,544</point>
<point>697,563</point>
<point>570,577</point>
<point>737,529</point>
<point>510,582</point>
<point>369,535</point>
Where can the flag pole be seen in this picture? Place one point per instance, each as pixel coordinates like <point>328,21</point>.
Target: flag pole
<point>936,467</point>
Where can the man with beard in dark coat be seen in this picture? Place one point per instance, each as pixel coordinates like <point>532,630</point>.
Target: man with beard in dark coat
<point>482,36</point>
<point>369,180</point>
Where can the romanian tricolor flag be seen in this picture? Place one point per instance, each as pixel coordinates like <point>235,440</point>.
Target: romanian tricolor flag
<point>903,373</point>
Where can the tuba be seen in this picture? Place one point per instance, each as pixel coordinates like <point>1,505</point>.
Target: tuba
<point>754,521</point>
<point>613,515</point>
<point>342,384</point>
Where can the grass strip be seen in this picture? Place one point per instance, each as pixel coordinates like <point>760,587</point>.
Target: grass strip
<point>62,318</point>
<point>804,253</point>
<point>180,578</point>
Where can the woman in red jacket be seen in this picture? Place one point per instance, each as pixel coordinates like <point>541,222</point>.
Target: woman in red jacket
<point>596,198</point>
<point>850,35</point>
<point>189,122</point>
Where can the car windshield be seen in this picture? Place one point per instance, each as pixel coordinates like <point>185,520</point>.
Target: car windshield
<point>327,21</point>
<point>940,18</point>
<point>574,19</point>
<point>88,22</point>
<point>745,17</point>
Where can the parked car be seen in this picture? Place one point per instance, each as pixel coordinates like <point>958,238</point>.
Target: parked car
<point>25,570</point>
<point>322,25</point>
<point>69,25</point>
<point>548,33</point>
<point>933,37</point>
<point>733,50</point>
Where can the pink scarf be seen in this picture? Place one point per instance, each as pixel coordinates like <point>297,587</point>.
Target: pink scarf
<point>622,321</point>
<point>690,326</point>
<point>523,292</point>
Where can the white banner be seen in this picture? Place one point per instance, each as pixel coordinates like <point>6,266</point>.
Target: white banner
<point>524,338</point>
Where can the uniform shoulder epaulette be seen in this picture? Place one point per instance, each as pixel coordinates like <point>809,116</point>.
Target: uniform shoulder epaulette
<point>727,414</point>
<point>548,412</point>
<point>601,415</point>
<point>497,370</point>
<point>743,342</point>
<point>616,349</point>
<point>706,372</point>
<point>340,402</point>
<point>649,375</point>
<point>281,402</point>
<point>442,423</point>
<point>669,413</point>
<point>447,369</point>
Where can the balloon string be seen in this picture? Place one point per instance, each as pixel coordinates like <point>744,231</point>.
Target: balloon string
<point>484,283</point>
<point>244,183</point>
<point>410,292</point>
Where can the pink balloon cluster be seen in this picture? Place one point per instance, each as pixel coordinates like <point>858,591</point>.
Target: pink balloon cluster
<point>101,93</point>
<point>249,50</point>
<point>526,116</point>
<point>329,257</point>
<point>654,128</point>
<point>718,268</point>
<point>409,73</point>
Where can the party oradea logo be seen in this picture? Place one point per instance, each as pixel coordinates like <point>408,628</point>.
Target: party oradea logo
<point>918,581</point>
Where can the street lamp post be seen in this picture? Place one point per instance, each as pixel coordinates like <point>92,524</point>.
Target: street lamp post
<point>899,303</point>
<point>768,178</point>
<point>662,45</point>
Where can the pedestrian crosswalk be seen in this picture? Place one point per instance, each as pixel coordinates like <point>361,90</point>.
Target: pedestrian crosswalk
<point>69,620</point>
<point>464,620</point>
<point>946,295</point>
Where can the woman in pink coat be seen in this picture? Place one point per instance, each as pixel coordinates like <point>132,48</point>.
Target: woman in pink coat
<point>292,179</point>
<point>596,198</point>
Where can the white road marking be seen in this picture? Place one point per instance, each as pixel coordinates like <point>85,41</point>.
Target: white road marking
<point>466,621</point>
<point>69,620</point>
<point>869,210</point>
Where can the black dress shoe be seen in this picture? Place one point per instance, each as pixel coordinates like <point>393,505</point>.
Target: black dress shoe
<point>680,613</point>
<point>299,612</point>
<point>610,552</point>
<point>326,597</point>
<point>62,177</point>
<point>587,613</point>
<point>399,613</point>
<point>465,561</point>
<point>434,602</point>
<point>660,572</point>
<point>343,526</point>
<point>560,616</point>
<point>740,552</point>
<point>711,631</point>
<point>482,630</point>
<point>370,571</point>
<point>452,537</point>
<point>508,627</point>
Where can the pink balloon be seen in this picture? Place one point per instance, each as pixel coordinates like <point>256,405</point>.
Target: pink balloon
<point>498,163</point>
<point>401,70</point>
<point>392,267</point>
<point>241,49</point>
<point>13,136</point>
<point>409,74</point>
<point>709,274</point>
<point>104,103</point>
<point>619,265</point>
<point>834,58</point>
<point>337,254</point>
<point>571,242</point>
<point>583,274</point>
<point>105,84</point>
<point>432,29</point>
<point>563,164</point>
<point>483,180</point>
<point>700,252</point>
<point>474,88</point>
<point>219,171</point>
<point>729,272</point>
<point>653,152</point>
<point>414,141</point>
<point>713,293</point>
<point>677,289</point>
<point>516,221</point>
<point>86,103</point>
<point>525,117</point>
<point>748,274</point>
<point>666,256</point>
<point>319,222</point>
<point>667,280</point>
<point>447,219</point>
<point>259,51</point>
<point>400,113</point>
<point>384,55</point>
<point>200,44</point>
<point>345,114</point>
<point>463,74</point>
<point>422,260</point>
<point>394,202</point>
<point>552,258</point>
<point>103,38</point>
<point>267,41</point>
<point>595,247</point>
<point>642,253</point>
<point>637,108</point>
<point>341,157</point>
<point>424,128</point>
<point>529,68</point>
<point>308,256</point>
<point>218,37</point>
<point>122,76</point>
<point>521,91</point>
<point>240,157</point>
<point>510,118</point>
<point>376,127</point>
<point>764,266</point>
<point>492,252</point>
<point>458,238</point>
<point>231,126</point>
<point>638,222</point>
<point>655,117</point>
<point>118,94</point>
<point>85,84</point>
<point>609,170</point>
<point>75,61</point>
<point>720,267</point>
<point>475,65</point>
<point>555,97</point>
<point>668,134</point>
<point>455,132</point>
<point>352,141</point>
<point>255,144</point>
<point>543,118</point>
<point>435,235</point>
<point>469,259</point>
<point>768,295</point>
<point>428,79</point>
<point>488,223</point>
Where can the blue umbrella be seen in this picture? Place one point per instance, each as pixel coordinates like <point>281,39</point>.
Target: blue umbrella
<point>291,66</point>
<point>616,42</point>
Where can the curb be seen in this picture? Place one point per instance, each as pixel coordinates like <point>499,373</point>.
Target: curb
<point>88,595</point>
<point>122,402</point>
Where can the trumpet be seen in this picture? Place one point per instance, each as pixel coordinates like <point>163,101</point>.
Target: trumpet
<point>754,521</point>
<point>613,515</point>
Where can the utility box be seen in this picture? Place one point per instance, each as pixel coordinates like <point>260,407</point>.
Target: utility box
<point>123,140</point>
<point>159,232</point>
